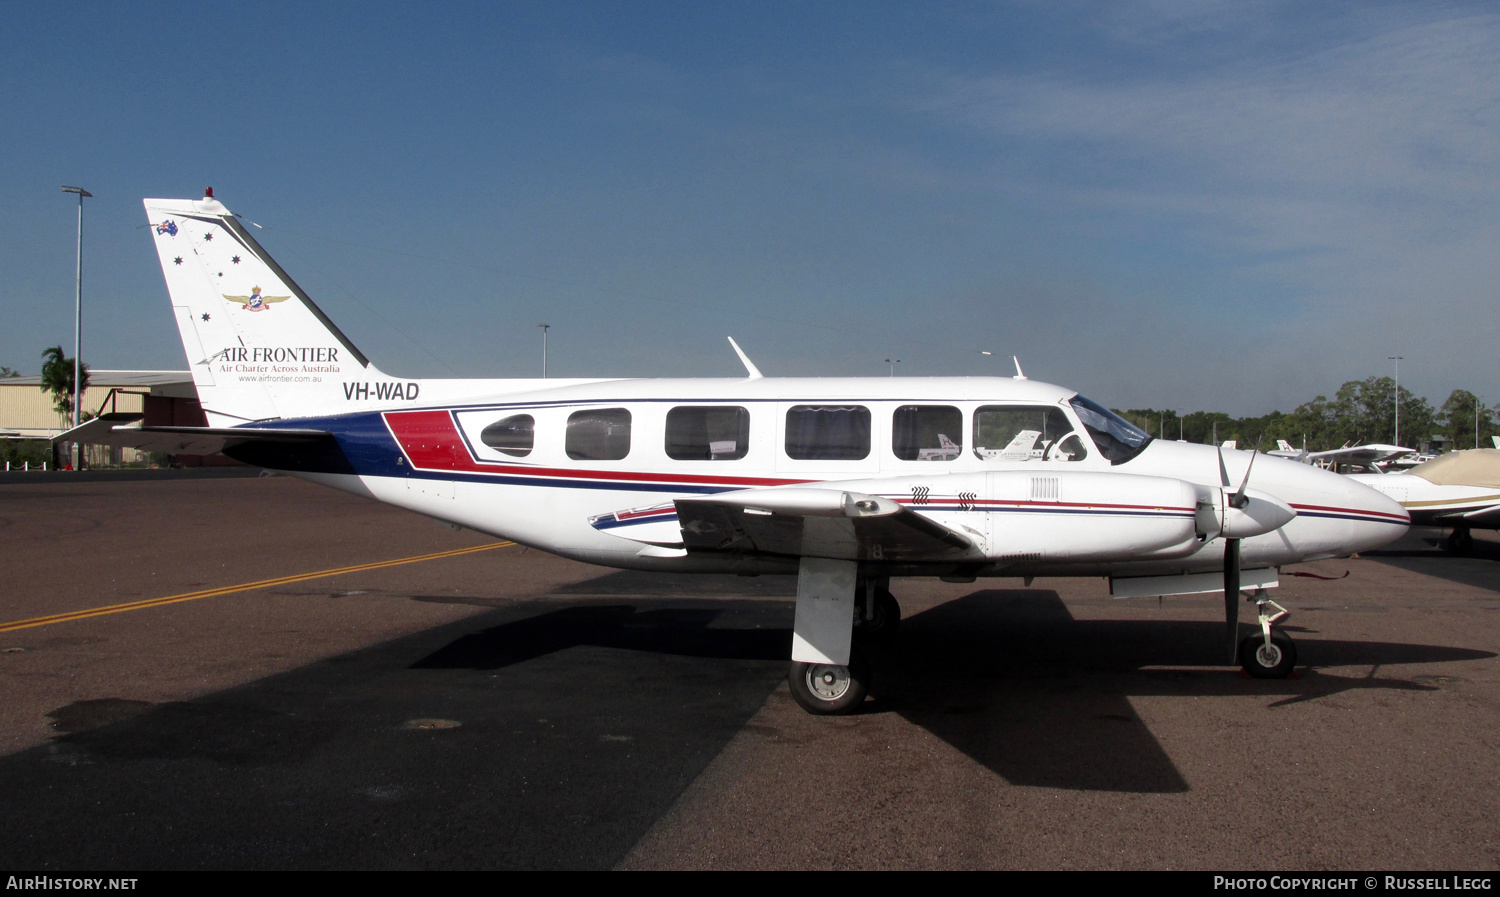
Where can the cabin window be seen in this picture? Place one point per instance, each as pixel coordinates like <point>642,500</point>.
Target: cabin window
<point>927,433</point>
<point>599,434</point>
<point>698,433</point>
<point>828,432</point>
<point>1025,433</point>
<point>515,435</point>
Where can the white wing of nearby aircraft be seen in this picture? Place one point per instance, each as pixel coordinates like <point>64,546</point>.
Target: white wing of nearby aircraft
<point>1459,490</point>
<point>1370,456</point>
<point>844,482</point>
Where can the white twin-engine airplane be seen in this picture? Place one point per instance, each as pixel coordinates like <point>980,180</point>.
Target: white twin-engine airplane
<point>845,482</point>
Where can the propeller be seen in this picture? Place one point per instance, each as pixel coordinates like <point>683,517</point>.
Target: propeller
<point>1232,596</point>
<point>1238,500</point>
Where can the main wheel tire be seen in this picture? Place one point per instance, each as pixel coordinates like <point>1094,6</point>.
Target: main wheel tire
<point>829,690</point>
<point>1275,662</point>
<point>1459,542</point>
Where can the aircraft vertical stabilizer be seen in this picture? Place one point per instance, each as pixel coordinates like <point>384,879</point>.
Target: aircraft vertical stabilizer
<point>258,347</point>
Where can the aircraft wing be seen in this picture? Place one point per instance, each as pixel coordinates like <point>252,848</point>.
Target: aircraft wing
<point>1362,455</point>
<point>1480,517</point>
<point>107,430</point>
<point>794,522</point>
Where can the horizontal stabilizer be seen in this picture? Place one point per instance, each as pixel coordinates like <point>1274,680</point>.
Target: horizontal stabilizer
<point>183,440</point>
<point>97,431</point>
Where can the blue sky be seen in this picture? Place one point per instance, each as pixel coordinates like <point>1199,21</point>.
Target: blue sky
<point>1224,206</point>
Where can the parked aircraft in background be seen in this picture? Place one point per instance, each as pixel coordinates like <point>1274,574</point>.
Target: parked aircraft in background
<point>1459,490</point>
<point>1351,458</point>
<point>1284,449</point>
<point>844,482</point>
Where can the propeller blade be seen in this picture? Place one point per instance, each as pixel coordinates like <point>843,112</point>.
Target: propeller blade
<point>1232,596</point>
<point>1223,471</point>
<point>1238,499</point>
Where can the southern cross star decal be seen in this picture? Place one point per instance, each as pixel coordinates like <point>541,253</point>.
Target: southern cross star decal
<point>208,237</point>
<point>236,260</point>
<point>177,261</point>
<point>205,316</point>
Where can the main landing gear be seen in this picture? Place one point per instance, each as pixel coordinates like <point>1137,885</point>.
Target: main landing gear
<point>1459,542</point>
<point>831,689</point>
<point>1270,655</point>
<point>830,629</point>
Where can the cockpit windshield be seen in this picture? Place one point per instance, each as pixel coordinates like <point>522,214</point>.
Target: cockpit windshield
<point>1117,438</point>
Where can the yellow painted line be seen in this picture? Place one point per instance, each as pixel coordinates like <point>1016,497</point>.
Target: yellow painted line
<point>243,587</point>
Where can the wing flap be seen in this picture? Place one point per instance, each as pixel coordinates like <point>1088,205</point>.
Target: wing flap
<point>824,523</point>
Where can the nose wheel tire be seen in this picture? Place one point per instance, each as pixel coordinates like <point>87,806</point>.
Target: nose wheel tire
<point>828,689</point>
<point>1268,662</point>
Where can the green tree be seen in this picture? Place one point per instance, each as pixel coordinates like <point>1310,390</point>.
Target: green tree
<point>1199,426</point>
<point>1456,418</point>
<point>57,378</point>
<point>1364,411</point>
<point>7,372</point>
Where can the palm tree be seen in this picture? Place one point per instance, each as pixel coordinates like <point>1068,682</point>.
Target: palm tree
<point>57,378</point>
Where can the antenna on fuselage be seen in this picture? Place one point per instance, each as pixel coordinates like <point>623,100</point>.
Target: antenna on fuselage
<point>755,373</point>
<point>1019,375</point>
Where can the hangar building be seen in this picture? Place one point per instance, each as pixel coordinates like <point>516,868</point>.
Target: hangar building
<point>166,398</point>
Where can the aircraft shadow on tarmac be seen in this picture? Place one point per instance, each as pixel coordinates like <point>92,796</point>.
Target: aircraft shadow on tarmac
<point>1421,551</point>
<point>1009,677</point>
<point>576,726</point>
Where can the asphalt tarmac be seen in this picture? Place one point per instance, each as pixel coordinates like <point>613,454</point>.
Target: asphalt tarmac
<point>503,708</point>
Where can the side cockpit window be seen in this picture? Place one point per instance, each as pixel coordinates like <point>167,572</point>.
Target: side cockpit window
<point>697,433</point>
<point>515,435</point>
<point>1025,433</point>
<point>927,433</point>
<point>1117,438</point>
<point>599,434</point>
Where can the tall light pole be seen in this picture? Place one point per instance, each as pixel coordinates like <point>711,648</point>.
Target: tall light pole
<point>78,314</point>
<point>893,362</point>
<point>544,349</point>
<point>1396,400</point>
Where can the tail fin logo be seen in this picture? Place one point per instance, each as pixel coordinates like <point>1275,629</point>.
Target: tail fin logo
<point>167,227</point>
<point>255,301</point>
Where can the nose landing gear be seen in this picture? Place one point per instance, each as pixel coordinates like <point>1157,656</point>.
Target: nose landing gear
<point>1270,655</point>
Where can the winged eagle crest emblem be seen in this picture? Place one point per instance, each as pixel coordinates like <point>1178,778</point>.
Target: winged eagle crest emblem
<point>255,301</point>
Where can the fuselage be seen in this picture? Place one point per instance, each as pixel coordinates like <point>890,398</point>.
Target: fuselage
<point>1435,504</point>
<point>587,469</point>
